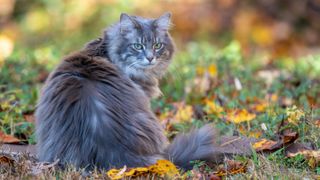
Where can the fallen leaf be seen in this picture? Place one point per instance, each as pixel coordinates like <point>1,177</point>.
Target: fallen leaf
<point>232,167</point>
<point>289,137</point>
<point>269,145</point>
<point>29,117</point>
<point>239,116</point>
<point>264,144</point>
<point>183,113</point>
<point>6,160</point>
<point>249,133</point>
<point>312,156</point>
<point>5,138</point>
<point>212,70</point>
<point>160,168</point>
<point>260,107</point>
<point>317,123</point>
<point>213,108</point>
<point>294,115</point>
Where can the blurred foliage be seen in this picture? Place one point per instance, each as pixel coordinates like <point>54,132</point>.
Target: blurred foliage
<point>263,68</point>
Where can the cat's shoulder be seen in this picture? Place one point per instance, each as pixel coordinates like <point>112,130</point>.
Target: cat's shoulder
<point>84,65</point>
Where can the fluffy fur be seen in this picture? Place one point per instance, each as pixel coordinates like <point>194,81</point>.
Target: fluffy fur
<point>94,108</point>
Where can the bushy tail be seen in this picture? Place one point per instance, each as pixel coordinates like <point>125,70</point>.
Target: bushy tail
<point>196,145</point>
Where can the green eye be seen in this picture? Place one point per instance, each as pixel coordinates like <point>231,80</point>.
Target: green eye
<point>157,46</point>
<point>138,46</point>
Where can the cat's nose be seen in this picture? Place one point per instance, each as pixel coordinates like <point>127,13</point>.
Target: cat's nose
<point>150,58</point>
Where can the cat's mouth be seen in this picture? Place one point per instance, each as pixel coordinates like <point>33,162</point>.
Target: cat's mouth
<point>145,66</point>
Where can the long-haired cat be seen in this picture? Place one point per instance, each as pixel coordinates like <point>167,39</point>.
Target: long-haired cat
<point>94,109</point>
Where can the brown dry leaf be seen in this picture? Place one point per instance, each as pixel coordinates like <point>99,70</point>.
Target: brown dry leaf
<point>5,138</point>
<point>160,168</point>
<point>5,160</point>
<point>269,145</point>
<point>312,156</point>
<point>239,116</point>
<point>29,117</point>
<point>289,137</point>
<point>317,123</point>
<point>233,167</point>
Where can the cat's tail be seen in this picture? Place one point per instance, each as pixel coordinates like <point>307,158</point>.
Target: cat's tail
<point>198,144</point>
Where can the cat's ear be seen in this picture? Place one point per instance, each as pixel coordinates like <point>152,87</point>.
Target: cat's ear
<point>127,24</point>
<point>163,22</point>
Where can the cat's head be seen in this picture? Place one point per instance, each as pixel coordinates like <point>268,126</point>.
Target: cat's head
<point>140,47</point>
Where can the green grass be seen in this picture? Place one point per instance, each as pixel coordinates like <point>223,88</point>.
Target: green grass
<point>297,83</point>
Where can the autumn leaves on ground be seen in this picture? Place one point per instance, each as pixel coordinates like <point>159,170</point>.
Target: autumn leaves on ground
<point>240,68</point>
<point>276,107</point>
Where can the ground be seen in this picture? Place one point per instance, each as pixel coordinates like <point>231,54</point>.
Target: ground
<point>249,97</point>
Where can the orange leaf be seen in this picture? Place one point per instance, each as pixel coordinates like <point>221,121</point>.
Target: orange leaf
<point>233,167</point>
<point>317,123</point>
<point>4,138</point>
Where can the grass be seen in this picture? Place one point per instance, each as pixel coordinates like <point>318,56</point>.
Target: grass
<point>201,73</point>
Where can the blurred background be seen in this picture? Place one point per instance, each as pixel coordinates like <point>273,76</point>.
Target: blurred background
<point>231,55</point>
<point>278,28</point>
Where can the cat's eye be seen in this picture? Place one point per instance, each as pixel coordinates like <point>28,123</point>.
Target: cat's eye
<point>157,46</point>
<point>138,46</point>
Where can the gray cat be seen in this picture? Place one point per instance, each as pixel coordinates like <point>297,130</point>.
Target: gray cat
<point>94,109</point>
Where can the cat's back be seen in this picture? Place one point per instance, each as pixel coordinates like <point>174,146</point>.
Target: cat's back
<point>90,113</point>
<point>83,65</point>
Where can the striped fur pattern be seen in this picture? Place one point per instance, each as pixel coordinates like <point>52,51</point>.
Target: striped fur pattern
<point>94,109</point>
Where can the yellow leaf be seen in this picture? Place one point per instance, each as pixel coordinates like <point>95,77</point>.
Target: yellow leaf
<point>200,70</point>
<point>313,156</point>
<point>264,144</point>
<point>245,132</point>
<point>262,35</point>
<point>213,108</point>
<point>184,113</point>
<point>274,98</point>
<point>294,114</point>
<point>212,70</point>
<point>6,46</point>
<point>160,168</point>
<point>114,174</point>
<point>239,116</point>
<point>164,167</point>
<point>260,107</point>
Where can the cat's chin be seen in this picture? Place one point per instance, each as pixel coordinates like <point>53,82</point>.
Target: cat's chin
<point>140,72</point>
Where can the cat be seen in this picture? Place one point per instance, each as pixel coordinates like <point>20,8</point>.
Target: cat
<point>94,109</point>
